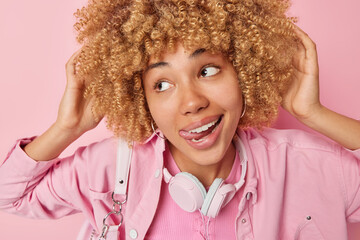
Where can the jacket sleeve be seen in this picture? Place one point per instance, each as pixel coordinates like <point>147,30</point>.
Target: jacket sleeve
<point>40,189</point>
<point>350,163</point>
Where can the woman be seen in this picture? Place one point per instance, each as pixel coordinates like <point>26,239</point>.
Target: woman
<point>185,66</point>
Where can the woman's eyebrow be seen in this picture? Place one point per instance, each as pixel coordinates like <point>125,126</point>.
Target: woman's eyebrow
<point>155,65</point>
<point>196,53</point>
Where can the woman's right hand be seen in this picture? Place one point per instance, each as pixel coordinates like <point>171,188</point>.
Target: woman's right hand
<point>75,117</point>
<point>75,113</point>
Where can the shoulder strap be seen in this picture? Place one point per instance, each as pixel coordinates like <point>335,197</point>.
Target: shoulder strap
<point>244,159</point>
<point>123,160</point>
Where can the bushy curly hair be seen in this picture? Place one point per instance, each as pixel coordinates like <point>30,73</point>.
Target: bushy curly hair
<point>119,36</point>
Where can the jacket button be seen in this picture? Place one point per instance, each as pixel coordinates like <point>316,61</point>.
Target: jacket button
<point>157,173</point>
<point>133,234</point>
<point>248,195</point>
<point>243,220</point>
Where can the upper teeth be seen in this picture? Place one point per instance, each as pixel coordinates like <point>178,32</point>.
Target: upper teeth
<point>203,128</point>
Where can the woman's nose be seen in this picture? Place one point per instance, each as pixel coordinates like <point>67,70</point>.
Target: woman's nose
<point>193,100</point>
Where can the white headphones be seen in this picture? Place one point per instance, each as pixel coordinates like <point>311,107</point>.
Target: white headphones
<point>188,192</point>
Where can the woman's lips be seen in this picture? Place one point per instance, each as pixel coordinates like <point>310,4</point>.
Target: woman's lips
<point>205,138</point>
<point>198,133</point>
<point>200,123</point>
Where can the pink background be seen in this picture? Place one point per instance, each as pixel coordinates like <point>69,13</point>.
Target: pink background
<point>37,38</point>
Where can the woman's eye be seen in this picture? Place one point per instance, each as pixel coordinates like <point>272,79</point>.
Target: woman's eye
<point>209,71</point>
<point>162,86</point>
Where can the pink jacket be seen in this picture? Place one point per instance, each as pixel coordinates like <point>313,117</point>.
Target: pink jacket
<point>302,187</point>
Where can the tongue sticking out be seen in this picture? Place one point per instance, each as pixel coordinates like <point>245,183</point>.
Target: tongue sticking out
<point>189,136</point>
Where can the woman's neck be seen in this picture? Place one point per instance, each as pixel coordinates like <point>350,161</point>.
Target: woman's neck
<point>207,173</point>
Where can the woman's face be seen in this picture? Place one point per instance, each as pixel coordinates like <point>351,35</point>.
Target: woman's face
<point>195,100</point>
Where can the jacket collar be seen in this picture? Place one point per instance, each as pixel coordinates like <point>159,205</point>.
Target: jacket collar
<point>251,180</point>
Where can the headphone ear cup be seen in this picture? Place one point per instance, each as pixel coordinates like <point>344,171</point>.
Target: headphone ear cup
<point>217,198</point>
<point>227,192</point>
<point>187,191</point>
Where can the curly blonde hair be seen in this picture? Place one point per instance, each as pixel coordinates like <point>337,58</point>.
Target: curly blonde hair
<point>119,36</point>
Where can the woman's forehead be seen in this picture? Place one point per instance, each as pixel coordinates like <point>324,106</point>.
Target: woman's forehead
<point>190,52</point>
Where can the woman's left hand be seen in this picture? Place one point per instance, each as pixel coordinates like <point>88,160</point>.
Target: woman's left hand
<point>302,97</point>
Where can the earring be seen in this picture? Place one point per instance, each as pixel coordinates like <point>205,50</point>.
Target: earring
<point>152,126</point>
<point>244,108</point>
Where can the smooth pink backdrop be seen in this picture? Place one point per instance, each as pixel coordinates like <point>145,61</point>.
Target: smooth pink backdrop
<point>37,38</point>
